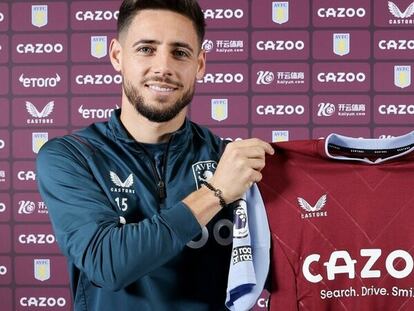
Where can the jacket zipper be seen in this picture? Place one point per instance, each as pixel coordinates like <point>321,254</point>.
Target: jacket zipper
<point>160,179</point>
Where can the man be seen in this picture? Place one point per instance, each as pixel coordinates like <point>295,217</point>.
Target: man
<point>135,203</point>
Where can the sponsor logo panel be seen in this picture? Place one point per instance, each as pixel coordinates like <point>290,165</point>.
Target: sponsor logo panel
<point>396,13</point>
<point>4,49</point>
<point>40,80</point>
<point>4,207</point>
<point>341,109</point>
<point>226,45</point>
<point>4,115</point>
<point>86,110</point>
<point>4,175</point>
<point>231,78</point>
<point>27,143</point>
<point>231,133</point>
<point>5,272</point>
<point>358,132</point>
<point>341,77</point>
<point>4,16</point>
<point>6,299</point>
<point>280,14</point>
<point>220,110</point>
<point>47,299</point>
<point>95,79</point>
<point>5,233</point>
<point>341,45</point>
<point>393,109</point>
<point>389,132</point>
<point>275,45</point>
<point>47,16</point>
<point>91,47</point>
<point>4,144</point>
<point>4,78</point>
<point>40,48</point>
<point>231,14</point>
<point>279,134</point>
<point>280,109</point>
<point>24,175</point>
<point>40,270</point>
<point>35,239</point>
<point>394,44</point>
<point>338,14</point>
<point>40,112</point>
<point>280,77</point>
<point>29,207</point>
<point>393,77</point>
<point>89,16</point>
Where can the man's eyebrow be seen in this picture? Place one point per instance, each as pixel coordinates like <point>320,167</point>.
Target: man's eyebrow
<point>145,41</point>
<point>156,42</point>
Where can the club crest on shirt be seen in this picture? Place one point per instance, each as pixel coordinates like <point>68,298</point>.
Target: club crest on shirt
<point>241,224</point>
<point>313,210</point>
<point>203,171</point>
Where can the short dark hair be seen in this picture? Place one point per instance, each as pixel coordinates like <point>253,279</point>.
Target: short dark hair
<point>188,8</point>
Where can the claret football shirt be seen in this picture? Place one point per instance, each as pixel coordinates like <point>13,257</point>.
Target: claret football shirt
<point>341,216</point>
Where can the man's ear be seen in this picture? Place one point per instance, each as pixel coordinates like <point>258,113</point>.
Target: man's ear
<point>115,54</point>
<point>201,69</point>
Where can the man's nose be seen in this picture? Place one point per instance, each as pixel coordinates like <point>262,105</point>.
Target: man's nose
<point>163,63</point>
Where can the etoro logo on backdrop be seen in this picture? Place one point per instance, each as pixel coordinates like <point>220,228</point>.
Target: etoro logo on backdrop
<point>96,113</point>
<point>401,16</point>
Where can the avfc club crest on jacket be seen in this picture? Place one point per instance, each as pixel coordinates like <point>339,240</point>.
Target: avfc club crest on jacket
<point>280,12</point>
<point>203,171</point>
<point>39,15</point>
<point>241,224</point>
<point>402,76</point>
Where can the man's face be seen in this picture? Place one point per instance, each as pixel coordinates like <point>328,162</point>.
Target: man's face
<point>160,60</point>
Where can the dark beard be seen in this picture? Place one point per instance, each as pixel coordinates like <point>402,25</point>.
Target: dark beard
<point>151,113</point>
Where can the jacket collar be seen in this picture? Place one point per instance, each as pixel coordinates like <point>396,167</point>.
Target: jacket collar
<point>179,138</point>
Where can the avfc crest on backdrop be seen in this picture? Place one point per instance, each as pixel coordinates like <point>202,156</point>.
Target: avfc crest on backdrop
<point>280,12</point>
<point>39,15</point>
<point>341,43</point>
<point>241,224</point>
<point>38,140</point>
<point>219,109</point>
<point>42,269</point>
<point>99,46</point>
<point>402,76</point>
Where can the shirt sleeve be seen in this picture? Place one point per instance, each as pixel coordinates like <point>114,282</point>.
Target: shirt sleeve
<point>89,232</point>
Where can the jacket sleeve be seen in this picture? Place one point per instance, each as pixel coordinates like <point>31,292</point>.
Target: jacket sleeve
<point>88,230</point>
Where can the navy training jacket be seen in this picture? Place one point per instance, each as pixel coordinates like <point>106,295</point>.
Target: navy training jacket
<point>131,244</point>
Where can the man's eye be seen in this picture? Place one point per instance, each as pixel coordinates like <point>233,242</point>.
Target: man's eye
<point>180,53</point>
<point>145,50</point>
